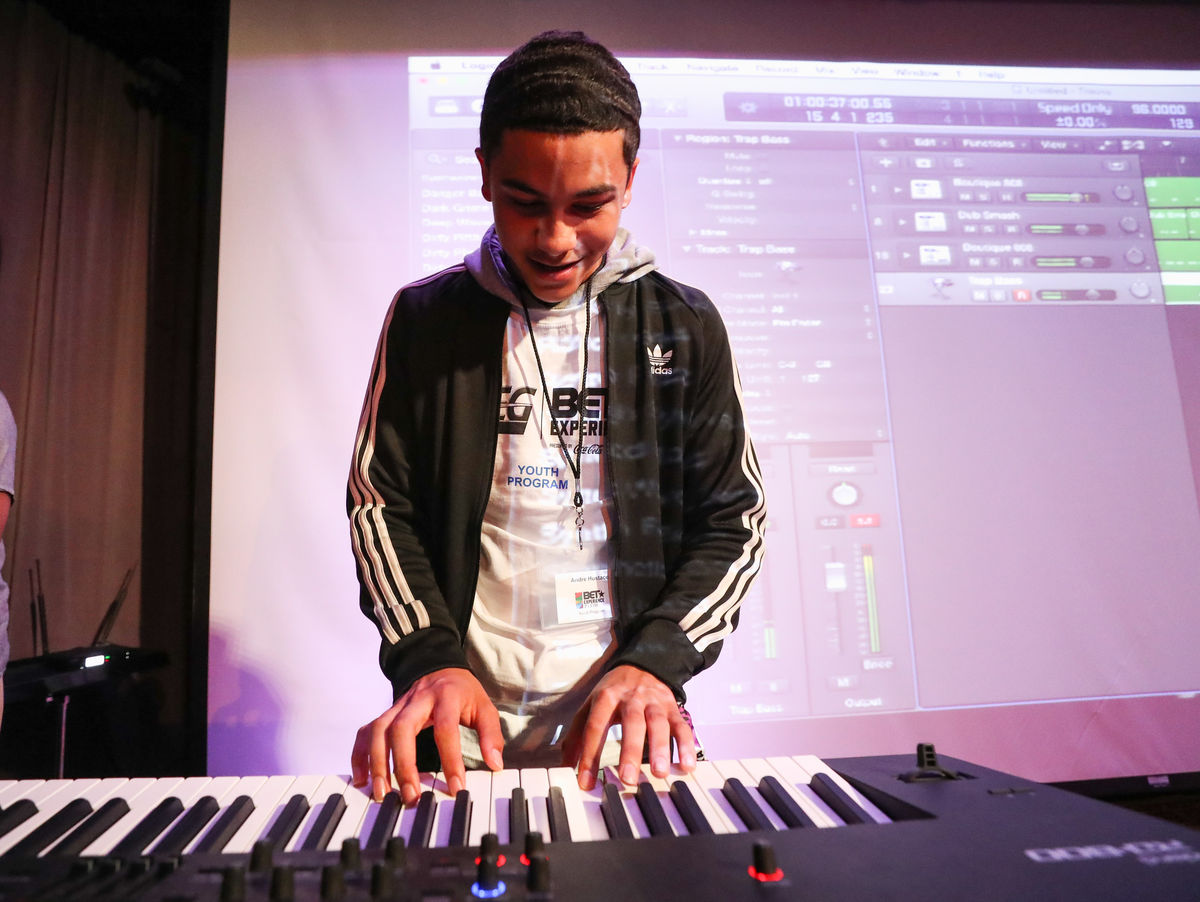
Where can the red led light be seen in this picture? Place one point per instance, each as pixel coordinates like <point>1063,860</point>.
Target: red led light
<point>500,859</point>
<point>758,875</point>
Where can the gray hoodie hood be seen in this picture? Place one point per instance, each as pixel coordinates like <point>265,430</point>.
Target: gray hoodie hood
<point>626,261</point>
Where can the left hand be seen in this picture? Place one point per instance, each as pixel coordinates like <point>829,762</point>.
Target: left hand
<point>649,717</point>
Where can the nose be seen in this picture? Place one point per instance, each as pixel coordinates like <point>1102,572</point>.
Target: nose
<point>556,236</point>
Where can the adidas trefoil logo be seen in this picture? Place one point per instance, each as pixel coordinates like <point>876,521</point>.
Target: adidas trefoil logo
<point>660,360</point>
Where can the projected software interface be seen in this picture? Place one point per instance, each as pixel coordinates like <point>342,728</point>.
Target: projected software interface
<point>935,281</point>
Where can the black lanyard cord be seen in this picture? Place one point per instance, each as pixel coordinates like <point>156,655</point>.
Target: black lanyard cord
<point>576,464</point>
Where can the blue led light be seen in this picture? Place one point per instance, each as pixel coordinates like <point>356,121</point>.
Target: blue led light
<point>480,893</point>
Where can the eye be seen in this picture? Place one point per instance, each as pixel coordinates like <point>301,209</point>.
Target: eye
<point>590,209</point>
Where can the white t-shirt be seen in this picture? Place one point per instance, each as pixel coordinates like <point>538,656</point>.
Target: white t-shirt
<point>542,623</point>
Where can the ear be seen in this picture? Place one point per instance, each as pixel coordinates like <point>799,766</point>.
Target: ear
<point>627,195</point>
<point>486,189</point>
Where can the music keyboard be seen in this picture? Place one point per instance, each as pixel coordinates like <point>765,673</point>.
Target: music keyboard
<point>783,827</point>
<point>728,794</point>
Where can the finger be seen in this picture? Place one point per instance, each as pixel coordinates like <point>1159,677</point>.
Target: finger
<point>377,760</point>
<point>633,739</point>
<point>658,740</point>
<point>491,740</point>
<point>572,737</point>
<point>449,746</point>
<point>358,757</point>
<point>591,740</point>
<point>402,737</point>
<point>685,741</point>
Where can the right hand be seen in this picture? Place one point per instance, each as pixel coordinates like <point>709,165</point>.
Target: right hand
<point>443,699</point>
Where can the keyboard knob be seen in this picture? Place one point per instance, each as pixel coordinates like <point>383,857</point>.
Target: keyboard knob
<point>233,884</point>
<point>765,869</point>
<point>488,884</point>
<point>535,846</point>
<point>262,856</point>
<point>283,884</point>
<point>381,881</point>
<point>395,851</point>
<point>489,846</point>
<point>538,878</point>
<point>351,854</point>
<point>487,875</point>
<point>333,883</point>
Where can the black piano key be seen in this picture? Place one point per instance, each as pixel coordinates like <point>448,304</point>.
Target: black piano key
<point>16,814</point>
<point>744,804</point>
<point>518,815</point>
<point>788,809</point>
<point>837,798</point>
<point>97,823</point>
<point>613,809</point>
<point>556,813</point>
<point>287,823</point>
<point>689,809</point>
<point>188,827</point>
<point>460,819</point>
<point>385,821</point>
<point>325,823</point>
<point>652,811</point>
<point>149,827</point>
<point>422,825</point>
<point>52,828</point>
<point>226,825</point>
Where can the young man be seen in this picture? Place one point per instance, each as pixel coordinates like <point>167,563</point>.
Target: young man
<point>555,509</point>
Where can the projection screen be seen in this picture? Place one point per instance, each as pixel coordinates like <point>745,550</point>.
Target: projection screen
<point>965,303</point>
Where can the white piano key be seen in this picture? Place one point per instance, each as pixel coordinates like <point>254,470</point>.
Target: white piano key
<point>795,778</point>
<point>194,788</point>
<point>713,817</point>
<point>709,781</point>
<point>479,785</point>
<point>190,792</point>
<point>301,785</point>
<point>224,790</point>
<point>429,782</point>
<point>735,769</point>
<point>760,768</point>
<point>662,789</point>
<point>354,821</point>
<point>50,797</point>
<point>187,792</point>
<point>267,796</point>
<point>318,793</point>
<point>592,801</point>
<point>537,787</point>
<point>813,765</point>
<point>632,812</point>
<point>141,794</point>
<point>584,816</point>
<point>503,784</point>
<point>443,813</point>
<point>11,790</point>
<point>42,793</point>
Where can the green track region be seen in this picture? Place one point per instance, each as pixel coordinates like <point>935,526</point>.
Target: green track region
<point>1174,203</point>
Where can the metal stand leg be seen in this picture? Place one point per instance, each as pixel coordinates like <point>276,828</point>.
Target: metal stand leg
<point>61,752</point>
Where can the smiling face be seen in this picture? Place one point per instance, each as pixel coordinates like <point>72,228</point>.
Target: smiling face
<point>557,202</point>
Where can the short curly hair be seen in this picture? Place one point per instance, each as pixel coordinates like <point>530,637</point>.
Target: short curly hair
<point>560,83</point>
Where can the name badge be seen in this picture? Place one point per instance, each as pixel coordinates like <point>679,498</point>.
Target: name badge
<point>582,597</point>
